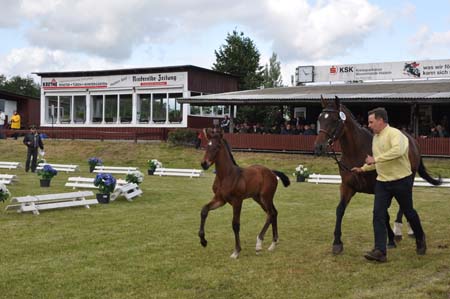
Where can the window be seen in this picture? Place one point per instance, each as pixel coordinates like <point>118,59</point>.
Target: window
<point>126,108</point>
<point>2,105</point>
<point>79,106</point>
<point>159,107</point>
<point>52,106</point>
<point>64,109</point>
<point>143,108</point>
<point>97,109</point>
<point>175,108</point>
<point>111,108</point>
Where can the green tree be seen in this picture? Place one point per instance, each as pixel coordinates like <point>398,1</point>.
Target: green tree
<point>240,57</point>
<point>272,73</point>
<point>24,86</point>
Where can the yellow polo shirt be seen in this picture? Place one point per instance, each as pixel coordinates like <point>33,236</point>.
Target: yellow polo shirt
<point>390,151</point>
<point>15,121</point>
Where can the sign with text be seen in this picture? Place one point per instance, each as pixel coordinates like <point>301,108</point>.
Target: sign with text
<point>412,69</point>
<point>115,81</point>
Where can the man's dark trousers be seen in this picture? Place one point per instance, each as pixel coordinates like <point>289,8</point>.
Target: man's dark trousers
<point>402,191</point>
<point>31,153</point>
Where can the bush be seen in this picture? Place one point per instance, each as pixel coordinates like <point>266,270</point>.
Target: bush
<point>182,137</point>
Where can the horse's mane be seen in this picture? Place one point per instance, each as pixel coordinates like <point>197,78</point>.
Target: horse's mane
<point>355,121</point>
<point>229,152</point>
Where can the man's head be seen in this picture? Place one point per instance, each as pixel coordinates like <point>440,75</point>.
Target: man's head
<point>33,128</point>
<point>378,119</point>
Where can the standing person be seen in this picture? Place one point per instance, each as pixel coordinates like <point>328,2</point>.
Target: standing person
<point>2,123</point>
<point>225,124</point>
<point>15,123</point>
<point>33,141</point>
<point>395,179</point>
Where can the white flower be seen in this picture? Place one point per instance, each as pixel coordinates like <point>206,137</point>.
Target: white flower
<point>4,192</point>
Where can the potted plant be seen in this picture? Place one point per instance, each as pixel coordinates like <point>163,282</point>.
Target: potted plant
<point>302,173</point>
<point>106,184</point>
<point>4,192</point>
<point>152,165</point>
<point>135,177</point>
<point>47,173</point>
<point>94,161</point>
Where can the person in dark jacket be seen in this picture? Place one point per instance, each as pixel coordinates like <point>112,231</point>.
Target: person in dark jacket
<point>33,141</point>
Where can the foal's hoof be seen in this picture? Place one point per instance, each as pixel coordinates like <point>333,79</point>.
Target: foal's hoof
<point>203,242</point>
<point>272,246</point>
<point>338,248</point>
<point>234,255</point>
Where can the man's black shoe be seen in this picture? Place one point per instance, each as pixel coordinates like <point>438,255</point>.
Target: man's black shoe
<point>376,255</point>
<point>421,246</point>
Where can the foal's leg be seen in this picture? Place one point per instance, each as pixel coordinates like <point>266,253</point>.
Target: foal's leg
<point>213,204</point>
<point>237,205</point>
<point>274,216</point>
<point>260,237</point>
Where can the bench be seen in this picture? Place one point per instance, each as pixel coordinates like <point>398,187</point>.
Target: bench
<point>178,172</point>
<point>336,179</point>
<point>10,165</point>
<point>37,203</point>
<point>114,169</point>
<point>7,178</point>
<point>60,167</point>
<point>130,191</point>
<point>81,182</point>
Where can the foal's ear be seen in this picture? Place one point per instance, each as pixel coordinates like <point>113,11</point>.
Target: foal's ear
<point>207,133</point>
<point>323,101</point>
<point>337,102</point>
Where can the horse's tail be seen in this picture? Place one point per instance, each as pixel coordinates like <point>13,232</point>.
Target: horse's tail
<point>283,177</point>
<point>424,174</point>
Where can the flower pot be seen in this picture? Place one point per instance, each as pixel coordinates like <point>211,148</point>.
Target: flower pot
<point>45,183</point>
<point>102,197</point>
<point>300,178</point>
<point>91,168</point>
<point>150,171</point>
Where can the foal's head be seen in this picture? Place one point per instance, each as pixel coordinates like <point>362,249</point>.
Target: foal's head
<point>213,147</point>
<point>331,122</point>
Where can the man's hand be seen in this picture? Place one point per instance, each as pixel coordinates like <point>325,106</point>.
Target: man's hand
<point>357,169</point>
<point>370,160</point>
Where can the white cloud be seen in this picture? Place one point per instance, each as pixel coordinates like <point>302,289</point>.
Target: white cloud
<point>430,45</point>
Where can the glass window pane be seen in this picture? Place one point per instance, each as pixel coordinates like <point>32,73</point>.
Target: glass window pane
<point>52,106</point>
<point>79,113</point>
<point>111,108</point>
<point>206,110</point>
<point>143,108</point>
<point>175,108</point>
<point>126,108</point>
<point>159,107</point>
<point>97,109</point>
<point>195,110</point>
<point>64,109</point>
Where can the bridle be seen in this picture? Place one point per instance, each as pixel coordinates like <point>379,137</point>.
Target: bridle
<point>332,137</point>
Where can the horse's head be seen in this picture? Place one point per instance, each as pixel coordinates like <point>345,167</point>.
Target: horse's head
<point>331,123</point>
<point>214,138</point>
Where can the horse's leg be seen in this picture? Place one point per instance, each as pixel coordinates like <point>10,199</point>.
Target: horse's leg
<point>274,215</point>
<point>260,236</point>
<point>237,205</point>
<point>213,204</point>
<point>390,233</point>
<point>346,195</point>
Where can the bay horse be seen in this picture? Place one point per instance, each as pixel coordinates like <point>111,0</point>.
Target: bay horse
<point>338,124</point>
<point>233,184</point>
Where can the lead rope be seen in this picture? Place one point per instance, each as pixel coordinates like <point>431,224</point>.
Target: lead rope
<point>339,163</point>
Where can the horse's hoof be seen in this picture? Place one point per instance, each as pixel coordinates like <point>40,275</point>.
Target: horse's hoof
<point>398,238</point>
<point>204,242</point>
<point>258,246</point>
<point>391,245</point>
<point>234,255</point>
<point>338,248</point>
<point>272,246</point>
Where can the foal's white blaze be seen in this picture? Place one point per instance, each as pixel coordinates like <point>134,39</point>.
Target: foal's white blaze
<point>234,255</point>
<point>272,246</point>
<point>258,243</point>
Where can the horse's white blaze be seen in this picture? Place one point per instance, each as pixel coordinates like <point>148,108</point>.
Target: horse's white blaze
<point>234,255</point>
<point>272,246</point>
<point>258,244</point>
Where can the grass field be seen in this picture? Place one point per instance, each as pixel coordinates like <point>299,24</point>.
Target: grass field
<point>150,249</point>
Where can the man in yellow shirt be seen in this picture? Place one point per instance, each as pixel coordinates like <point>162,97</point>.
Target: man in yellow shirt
<point>390,159</point>
<point>15,123</point>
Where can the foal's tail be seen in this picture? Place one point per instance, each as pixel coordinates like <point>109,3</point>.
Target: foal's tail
<point>283,177</point>
<point>424,174</point>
